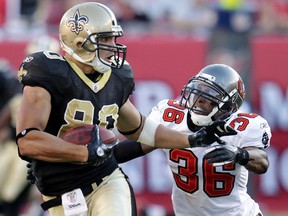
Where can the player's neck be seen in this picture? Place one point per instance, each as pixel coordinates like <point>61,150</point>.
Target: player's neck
<point>86,69</point>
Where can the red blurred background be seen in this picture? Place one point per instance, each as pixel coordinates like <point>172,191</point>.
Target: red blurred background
<point>162,65</point>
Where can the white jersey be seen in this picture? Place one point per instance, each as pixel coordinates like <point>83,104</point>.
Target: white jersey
<point>199,189</point>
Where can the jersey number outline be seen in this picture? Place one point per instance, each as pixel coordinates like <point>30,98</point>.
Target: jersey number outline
<point>52,55</point>
<point>80,112</point>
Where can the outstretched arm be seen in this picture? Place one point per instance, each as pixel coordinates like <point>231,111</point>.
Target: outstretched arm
<point>137,127</point>
<point>134,126</point>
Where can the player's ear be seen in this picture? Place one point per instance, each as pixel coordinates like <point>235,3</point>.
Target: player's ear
<point>78,48</point>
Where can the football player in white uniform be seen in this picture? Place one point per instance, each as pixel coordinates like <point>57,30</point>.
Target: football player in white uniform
<point>211,179</point>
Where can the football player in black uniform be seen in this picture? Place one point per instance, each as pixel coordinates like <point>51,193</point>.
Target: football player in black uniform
<point>91,84</point>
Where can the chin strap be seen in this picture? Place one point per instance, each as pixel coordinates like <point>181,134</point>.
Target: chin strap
<point>95,63</point>
<point>99,66</point>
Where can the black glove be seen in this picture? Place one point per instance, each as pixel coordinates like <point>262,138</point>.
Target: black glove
<point>210,134</point>
<point>225,154</point>
<point>196,139</point>
<point>221,128</point>
<point>30,177</point>
<point>98,152</point>
<point>216,130</point>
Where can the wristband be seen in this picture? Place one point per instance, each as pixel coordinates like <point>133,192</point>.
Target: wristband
<point>148,132</point>
<point>192,142</point>
<point>243,157</point>
<point>127,150</point>
<point>24,133</point>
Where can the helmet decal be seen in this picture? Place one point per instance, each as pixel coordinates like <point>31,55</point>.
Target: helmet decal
<point>241,88</point>
<point>76,22</point>
<point>21,74</point>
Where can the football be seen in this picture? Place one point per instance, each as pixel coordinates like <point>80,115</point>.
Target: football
<point>81,135</point>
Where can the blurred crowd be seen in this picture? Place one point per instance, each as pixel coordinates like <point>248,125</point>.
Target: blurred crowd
<point>226,24</point>
<point>196,17</point>
<point>17,195</point>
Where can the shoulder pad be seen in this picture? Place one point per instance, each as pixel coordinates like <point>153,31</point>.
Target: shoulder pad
<point>42,69</point>
<point>125,72</point>
<point>253,129</point>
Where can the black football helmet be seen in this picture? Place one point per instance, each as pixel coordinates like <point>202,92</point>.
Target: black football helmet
<point>218,84</point>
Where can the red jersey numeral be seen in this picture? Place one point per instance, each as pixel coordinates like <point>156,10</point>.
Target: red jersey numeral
<point>190,183</point>
<point>212,178</point>
<point>242,120</point>
<point>173,115</point>
<point>215,183</point>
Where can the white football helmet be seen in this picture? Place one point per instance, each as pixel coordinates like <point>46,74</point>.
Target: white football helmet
<point>80,29</point>
<point>218,84</point>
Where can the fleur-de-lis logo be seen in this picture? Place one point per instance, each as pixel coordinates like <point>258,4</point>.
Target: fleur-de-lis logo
<point>76,22</point>
<point>21,74</point>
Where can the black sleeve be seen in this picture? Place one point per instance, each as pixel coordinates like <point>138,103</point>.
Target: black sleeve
<point>127,150</point>
<point>38,69</point>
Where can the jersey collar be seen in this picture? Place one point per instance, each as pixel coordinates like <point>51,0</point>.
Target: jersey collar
<point>94,86</point>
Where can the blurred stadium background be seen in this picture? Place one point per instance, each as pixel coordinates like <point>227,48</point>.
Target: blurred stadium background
<point>168,42</point>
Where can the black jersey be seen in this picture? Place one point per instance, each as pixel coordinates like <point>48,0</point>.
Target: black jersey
<point>76,99</point>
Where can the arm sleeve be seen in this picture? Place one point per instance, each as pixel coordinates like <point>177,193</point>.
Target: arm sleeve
<point>127,150</point>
